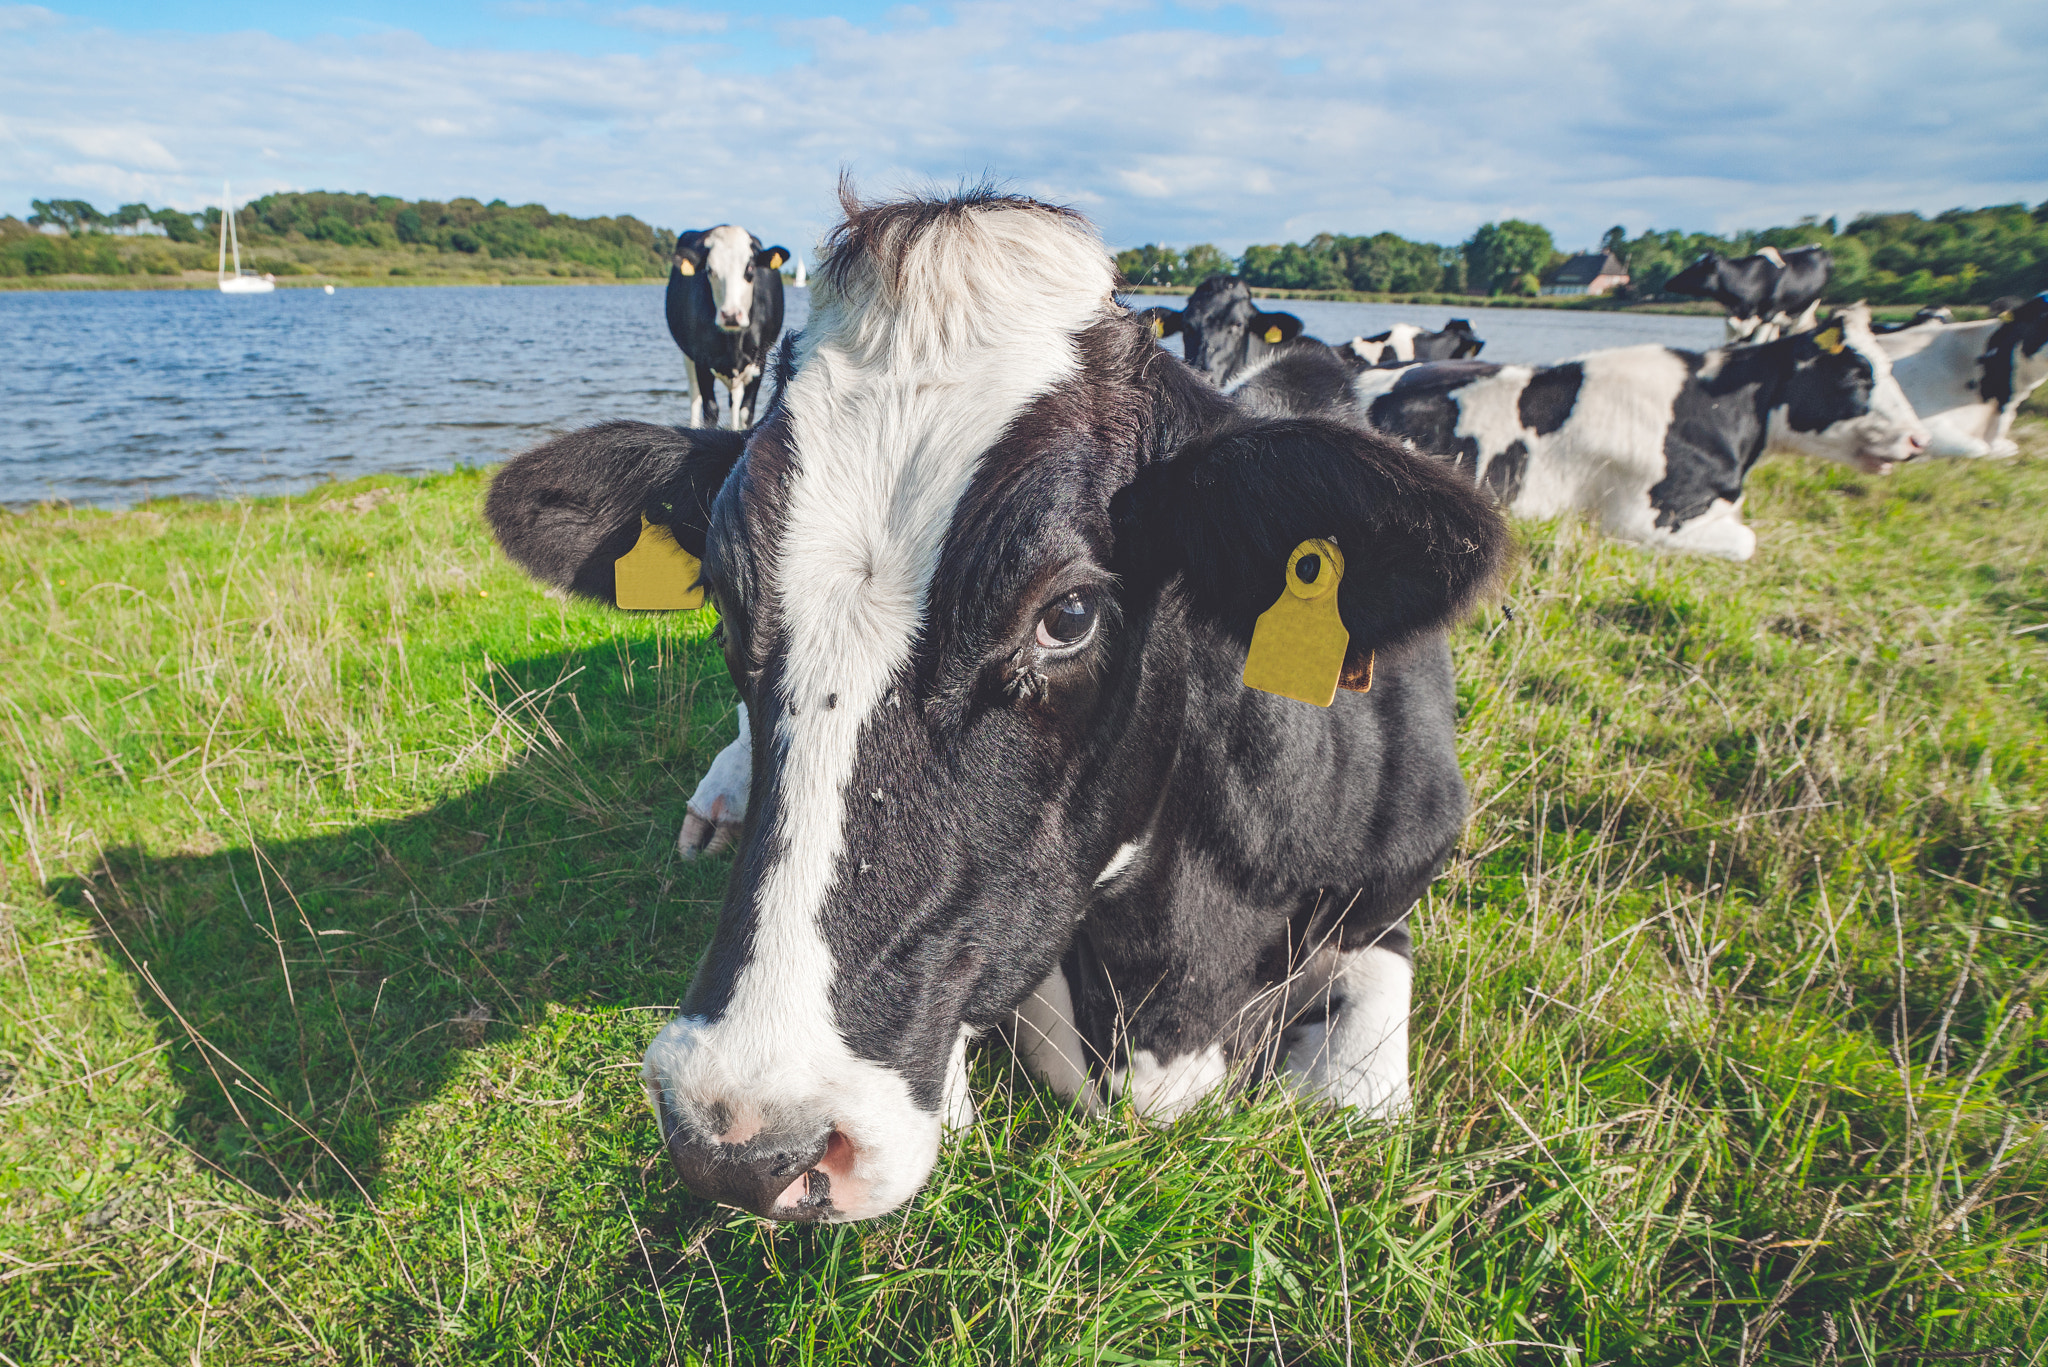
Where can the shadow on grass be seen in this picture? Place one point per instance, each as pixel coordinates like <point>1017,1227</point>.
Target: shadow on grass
<point>313,990</point>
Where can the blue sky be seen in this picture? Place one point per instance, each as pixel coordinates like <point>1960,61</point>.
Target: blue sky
<point>1178,122</point>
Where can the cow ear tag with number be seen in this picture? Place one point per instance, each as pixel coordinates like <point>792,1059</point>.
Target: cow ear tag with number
<point>687,266</point>
<point>1298,644</point>
<point>1829,341</point>
<point>1273,334</point>
<point>657,575</point>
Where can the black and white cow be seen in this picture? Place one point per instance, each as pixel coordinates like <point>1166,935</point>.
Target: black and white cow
<point>1968,380</point>
<point>987,572</point>
<point>1222,331</point>
<point>1405,344</point>
<point>725,311</point>
<point>1767,295</point>
<point>1654,442</point>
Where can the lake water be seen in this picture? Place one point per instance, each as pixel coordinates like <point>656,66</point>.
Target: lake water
<point>116,396</point>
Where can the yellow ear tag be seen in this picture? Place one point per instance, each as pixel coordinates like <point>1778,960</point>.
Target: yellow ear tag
<point>1158,327</point>
<point>1829,341</point>
<point>2005,317</point>
<point>1273,336</point>
<point>1298,644</point>
<point>657,575</point>
<point>775,261</point>
<point>687,266</point>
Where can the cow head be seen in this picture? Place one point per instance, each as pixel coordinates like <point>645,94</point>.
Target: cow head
<point>967,569</point>
<point>1840,401</point>
<point>1221,330</point>
<point>729,258</point>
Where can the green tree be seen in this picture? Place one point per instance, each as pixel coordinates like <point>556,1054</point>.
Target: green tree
<point>1500,254</point>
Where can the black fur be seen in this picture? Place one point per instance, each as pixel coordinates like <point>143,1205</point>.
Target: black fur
<point>2025,333</point>
<point>1549,397</point>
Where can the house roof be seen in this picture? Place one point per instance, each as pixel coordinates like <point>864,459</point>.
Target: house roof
<point>1584,268</point>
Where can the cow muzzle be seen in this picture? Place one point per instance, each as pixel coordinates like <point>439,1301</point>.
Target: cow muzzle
<point>756,1123</point>
<point>730,321</point>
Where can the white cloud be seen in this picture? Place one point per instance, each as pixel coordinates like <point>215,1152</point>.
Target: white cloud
<point>666,19</point>
<point>1426,120</point>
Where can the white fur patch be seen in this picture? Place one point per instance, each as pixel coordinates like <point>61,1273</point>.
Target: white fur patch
<point>1118,862</point>
<point>1358,1056</point>
<point>1163,1092</point>
<point>1051,1046</point>
<point>903,381</point>
<point>728,251</point>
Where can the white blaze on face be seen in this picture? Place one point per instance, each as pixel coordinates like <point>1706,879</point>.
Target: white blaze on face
<point>728,251</point>
<point>903,382</point>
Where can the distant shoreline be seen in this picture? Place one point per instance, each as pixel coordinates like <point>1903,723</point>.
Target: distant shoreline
<point>1564,303</point>
<point>196,280</point>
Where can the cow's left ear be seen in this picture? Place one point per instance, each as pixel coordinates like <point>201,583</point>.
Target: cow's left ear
<point>1419,542</point>
<point>772,258</point>
<point>1275,328</point>
<point>568,509</point>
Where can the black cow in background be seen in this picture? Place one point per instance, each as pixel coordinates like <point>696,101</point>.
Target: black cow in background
<point>725,311</point>
<point>1221,331</point>
<point>1405,344</point>
<point>1767,295</point>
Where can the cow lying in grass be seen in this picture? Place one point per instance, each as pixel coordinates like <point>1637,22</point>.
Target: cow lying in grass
<point>987,573</point>
<point>1968,380</point>
<point>1654,442</point>
<point>1405,343</point>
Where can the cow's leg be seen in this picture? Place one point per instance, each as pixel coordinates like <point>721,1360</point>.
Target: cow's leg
<point>703,396</point>
<point>696,399</point>
<point>1357,1053</point>
<point>745,386</point>
<point>718,808</point>
<point>1046,1038</point>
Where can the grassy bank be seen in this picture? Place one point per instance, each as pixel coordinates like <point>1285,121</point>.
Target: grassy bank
<point>337,905</point>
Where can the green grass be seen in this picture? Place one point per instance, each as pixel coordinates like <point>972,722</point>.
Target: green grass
<point>337,903</point>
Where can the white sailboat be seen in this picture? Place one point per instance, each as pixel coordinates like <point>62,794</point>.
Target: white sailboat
<point>237,283</point>
<point>800,280</point>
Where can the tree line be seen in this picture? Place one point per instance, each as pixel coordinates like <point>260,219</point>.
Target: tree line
<point>1962,256</point>
<point>621,246</point>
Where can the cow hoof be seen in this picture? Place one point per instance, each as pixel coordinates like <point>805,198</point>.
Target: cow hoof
<point>702,835</point>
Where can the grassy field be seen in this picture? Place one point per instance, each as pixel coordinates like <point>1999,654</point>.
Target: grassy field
<point>337,903</point>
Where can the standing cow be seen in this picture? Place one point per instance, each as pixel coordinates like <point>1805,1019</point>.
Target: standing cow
<point>1968,380</point>
<point>1767,295</point>
<point>988,571</point>
<point>725,311</point>
<point>1653,441</point>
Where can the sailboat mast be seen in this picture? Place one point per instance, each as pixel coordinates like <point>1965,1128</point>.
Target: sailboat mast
<point>235,239</point>
<point>222,270</point>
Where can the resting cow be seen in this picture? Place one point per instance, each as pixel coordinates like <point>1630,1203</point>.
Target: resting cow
<point>1221,331</point>
<point>1968,380</point>
<point>724,309</point>
<point>1405,344</point>
<point>1767,295</point>
<point>987,571</point>
<point>1654,442</point>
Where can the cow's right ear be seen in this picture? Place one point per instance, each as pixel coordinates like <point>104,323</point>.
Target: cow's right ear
<point>1163,322</point>
<point>1225,513</point>
<point>566,510</point>
<point>771,257</point>
<point>1275,328</point>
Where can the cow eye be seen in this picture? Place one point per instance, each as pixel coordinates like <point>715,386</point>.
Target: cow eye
<point>1068,622</point>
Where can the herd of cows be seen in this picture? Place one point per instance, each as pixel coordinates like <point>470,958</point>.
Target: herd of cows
<point>987,572</point>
